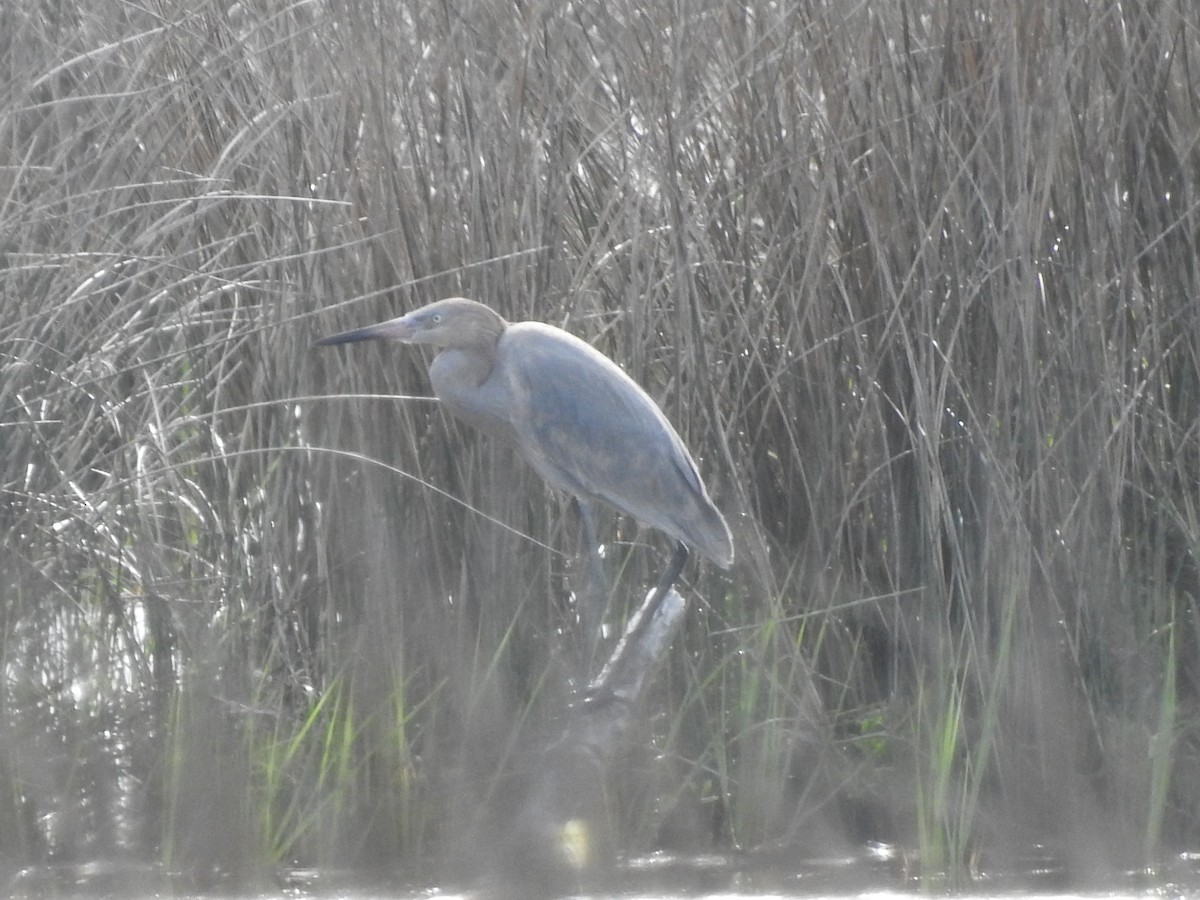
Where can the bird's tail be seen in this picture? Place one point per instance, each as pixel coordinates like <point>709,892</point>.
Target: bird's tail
<point>713,538</point>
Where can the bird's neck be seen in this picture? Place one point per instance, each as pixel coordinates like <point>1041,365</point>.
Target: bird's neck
<point>460,369</point>
<point>461,380</point>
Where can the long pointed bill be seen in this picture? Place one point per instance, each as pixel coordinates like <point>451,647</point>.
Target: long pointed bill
<point>391,330</point>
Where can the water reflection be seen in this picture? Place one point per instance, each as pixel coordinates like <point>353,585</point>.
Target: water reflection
<point>872,875</point>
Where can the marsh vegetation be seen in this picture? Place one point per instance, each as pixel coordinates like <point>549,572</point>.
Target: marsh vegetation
<point>916,282</point>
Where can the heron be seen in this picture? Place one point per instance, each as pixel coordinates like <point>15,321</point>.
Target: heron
<point>574,415</point>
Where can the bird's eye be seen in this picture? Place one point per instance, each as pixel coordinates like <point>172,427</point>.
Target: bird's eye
<point>436,318</point>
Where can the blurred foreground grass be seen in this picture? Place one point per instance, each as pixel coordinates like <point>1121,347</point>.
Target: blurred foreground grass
<point>916,282</point>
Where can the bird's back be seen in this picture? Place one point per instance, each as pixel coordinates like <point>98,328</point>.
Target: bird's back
<point>590,430</point>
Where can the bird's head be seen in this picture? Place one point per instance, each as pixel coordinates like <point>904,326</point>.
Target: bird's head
<point>456,322</point>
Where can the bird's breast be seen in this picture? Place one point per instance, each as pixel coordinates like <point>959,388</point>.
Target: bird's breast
<point>468,385</point>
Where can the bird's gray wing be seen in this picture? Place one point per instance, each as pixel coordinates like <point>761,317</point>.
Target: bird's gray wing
<point>590,430</point>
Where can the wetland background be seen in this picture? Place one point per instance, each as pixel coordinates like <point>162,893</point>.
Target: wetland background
<point>917,283</point>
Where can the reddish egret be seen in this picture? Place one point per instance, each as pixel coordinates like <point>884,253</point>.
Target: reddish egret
<point>580,421</point>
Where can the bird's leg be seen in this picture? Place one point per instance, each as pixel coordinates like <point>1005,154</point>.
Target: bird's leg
<point>645,615</point>
<point>593,599</point>
<point>636,644</point>
<point>669,576</point>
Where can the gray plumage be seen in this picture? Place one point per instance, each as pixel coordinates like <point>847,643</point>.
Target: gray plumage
<point>583,424</point>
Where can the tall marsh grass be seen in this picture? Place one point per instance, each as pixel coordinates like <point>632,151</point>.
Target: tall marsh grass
<point>917,283</point>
